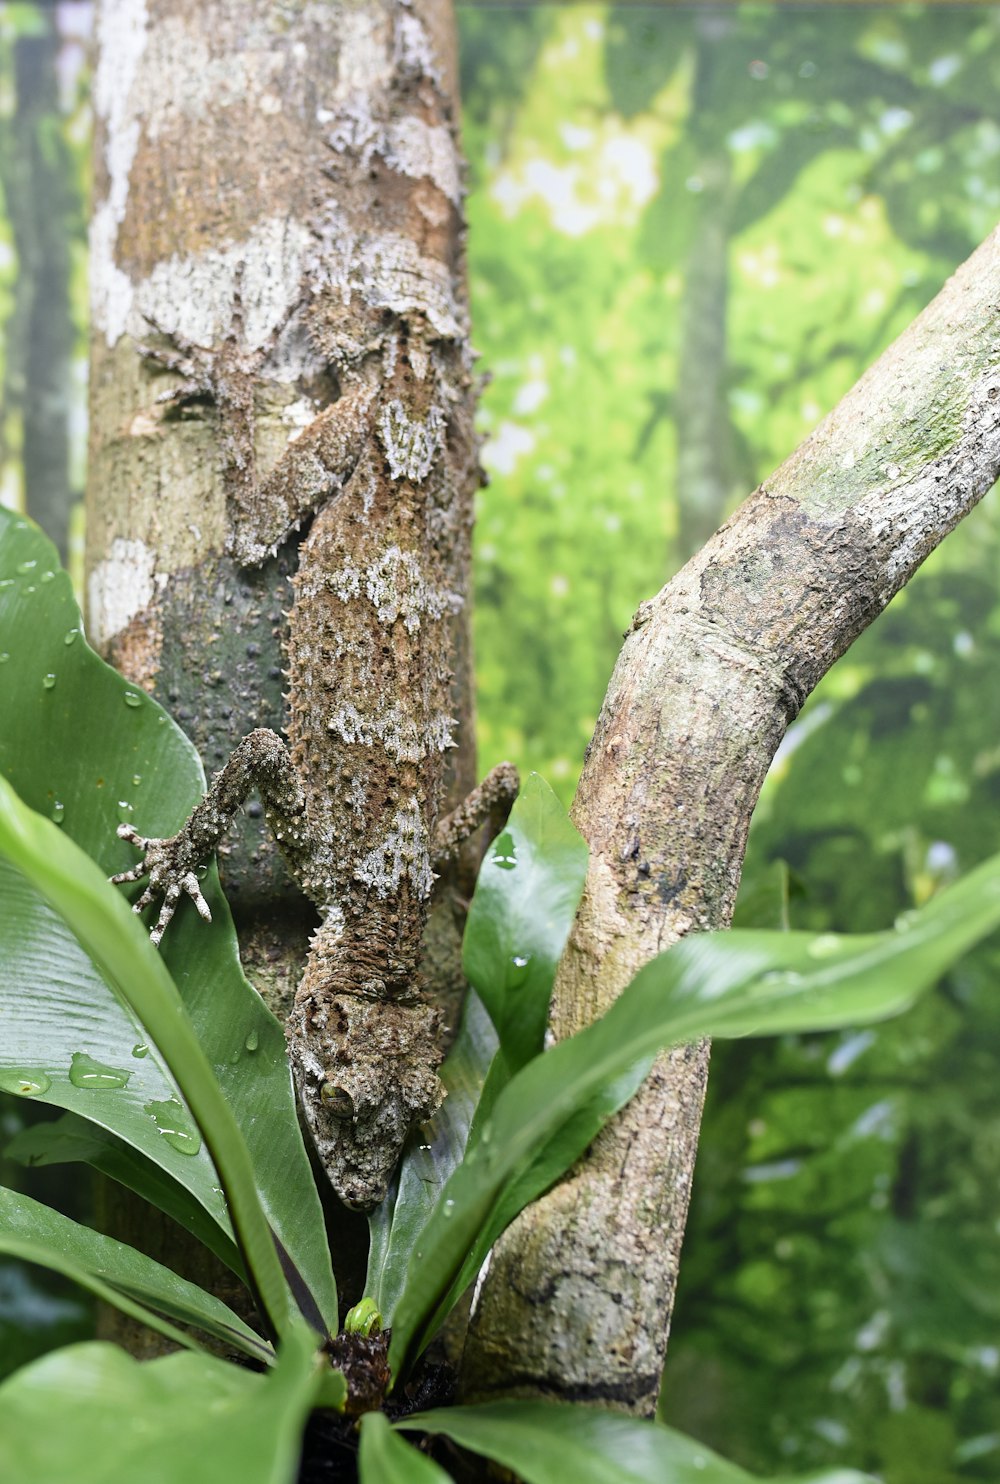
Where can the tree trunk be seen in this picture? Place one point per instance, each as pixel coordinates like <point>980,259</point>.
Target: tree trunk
<point>577,1299</point>
<point>37,178</point>
<point>278,188</point>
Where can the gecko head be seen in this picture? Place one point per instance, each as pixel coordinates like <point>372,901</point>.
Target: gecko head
<point>377,1082</point>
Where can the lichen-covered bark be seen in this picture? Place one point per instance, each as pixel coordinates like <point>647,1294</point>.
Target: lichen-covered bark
<point>577,1299</point>
<point>282,412</point>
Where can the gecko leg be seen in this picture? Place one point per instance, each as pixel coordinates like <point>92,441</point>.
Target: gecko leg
<point>489,802</point>
<point>261,762</point>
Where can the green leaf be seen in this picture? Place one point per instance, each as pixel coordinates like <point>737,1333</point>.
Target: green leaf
<point>72,1140</point>
<point>74,750</point>
<point>385,1459</point>
<point>529,888</point>
<point>128,962</point>
<point>729,984</point>
<point>113,1270</point>
<point>396,1224</point>
<point>549,1442</point>
<point>93,1415</point>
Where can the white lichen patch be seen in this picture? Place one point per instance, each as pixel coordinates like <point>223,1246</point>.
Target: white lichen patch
<point>196,296</point>
<point>411,447</point>
<point>414,52</point>
<point>421,151</point>
<point>119,587</point>
<point>391,273</point>
<point>396,588</point>
<point>122,35</point>
<point>403,855</point>
<point>403,738</point>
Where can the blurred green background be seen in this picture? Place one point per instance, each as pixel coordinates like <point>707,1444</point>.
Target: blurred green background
<point>691,229</point>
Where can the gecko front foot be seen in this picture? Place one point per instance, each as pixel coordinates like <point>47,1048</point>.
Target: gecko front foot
<point>171,867</point>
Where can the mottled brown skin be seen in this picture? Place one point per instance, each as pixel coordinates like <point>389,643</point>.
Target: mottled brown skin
<point>384,474</point>
<point>355,800</point>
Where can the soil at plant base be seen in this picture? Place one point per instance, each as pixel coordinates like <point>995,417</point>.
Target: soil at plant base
<point>330,1443</point>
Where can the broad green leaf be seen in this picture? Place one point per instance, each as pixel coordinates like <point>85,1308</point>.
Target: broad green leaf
<point>128,962</point>
<point>529,888</point>
<point>72,1140</point>
<point>93,1415</point>
<point>728,984</point>
<point>384,1458</point>
<point>550,1442</point>
<point>32,1251</point>
<point>90,750</point>
<point>396,1224</point>
<point>112,1269</point>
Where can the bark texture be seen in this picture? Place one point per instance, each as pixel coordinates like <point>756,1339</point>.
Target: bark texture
<point>277,225</point>
<point>577,1299</point>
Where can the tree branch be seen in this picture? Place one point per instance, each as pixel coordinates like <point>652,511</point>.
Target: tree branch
<point>578,1297</point>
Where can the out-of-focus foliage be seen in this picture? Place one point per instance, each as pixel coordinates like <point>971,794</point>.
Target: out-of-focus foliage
<point>839,1286</point>
<point>44,155</point>
<point>806,177</point>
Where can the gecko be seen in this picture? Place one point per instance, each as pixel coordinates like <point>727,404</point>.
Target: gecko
<point>354,798</point>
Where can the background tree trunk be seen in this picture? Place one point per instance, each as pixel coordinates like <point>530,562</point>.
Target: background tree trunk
<point>246,176</point>
<point>577,1299</point>
<point>40,198</point>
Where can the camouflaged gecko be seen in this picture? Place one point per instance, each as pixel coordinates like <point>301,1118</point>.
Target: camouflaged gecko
<point>354,799</point>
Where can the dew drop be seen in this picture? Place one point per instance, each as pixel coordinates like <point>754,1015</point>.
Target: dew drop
<point>136,779</point>
<point>84,1071</point>
<point>6,582</point>
<point>47,576</point>
<point>58,812</point>
<point>252,1041</point>
<point>140,1049</point>
<point>448,1209</point>
<point>520,960</point>
<point>48,681</point>
<point>504,852</point>
<point>25,567</point>
<point>125,810</point>
<point>22,1083</point>
<point>132,699</point>
<point>175,1125</point>
<point>4,657</point>
<point>71,636</point>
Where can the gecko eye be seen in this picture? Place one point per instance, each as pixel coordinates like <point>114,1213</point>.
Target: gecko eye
<point>337,1102</point>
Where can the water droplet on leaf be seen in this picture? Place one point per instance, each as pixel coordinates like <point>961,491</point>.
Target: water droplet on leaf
<point>58,812</point>
<point>252,1041</point>
<point>71,636</point>
<point>132,699</point>
<point>22,1083</point>
<point>48,681</point>
<point>25,567</point>
<point>174,1124</point>
<point>84,1071</point>
<point>504,852</point>
<point>140,1049</point>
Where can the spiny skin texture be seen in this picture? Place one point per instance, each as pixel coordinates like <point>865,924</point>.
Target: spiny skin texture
<point>384,467</point>
<point>355,802</point>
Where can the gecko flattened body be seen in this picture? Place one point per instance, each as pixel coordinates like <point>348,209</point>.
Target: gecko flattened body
<point>355,799</point>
